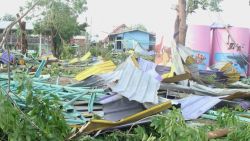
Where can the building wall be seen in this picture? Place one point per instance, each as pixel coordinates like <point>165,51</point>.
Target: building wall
<point>32,40</point>
<point>80,42</point>
<point>131,38</point>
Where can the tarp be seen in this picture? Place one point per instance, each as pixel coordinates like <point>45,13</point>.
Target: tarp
<point>5,58</point>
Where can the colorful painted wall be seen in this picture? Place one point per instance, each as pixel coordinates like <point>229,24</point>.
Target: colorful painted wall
<point>213,45</point>
<point>232,44</point>
<point>198,39</point>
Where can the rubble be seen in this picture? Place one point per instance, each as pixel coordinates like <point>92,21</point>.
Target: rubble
<point>134,90</point>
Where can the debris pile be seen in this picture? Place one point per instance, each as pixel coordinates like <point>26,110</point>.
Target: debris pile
<point>129,93</point>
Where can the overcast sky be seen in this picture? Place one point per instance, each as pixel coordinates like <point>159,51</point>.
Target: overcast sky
<point>156,15</point>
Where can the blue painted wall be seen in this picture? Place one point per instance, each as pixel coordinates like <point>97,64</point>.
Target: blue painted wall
<point>138,36</point>
<point>141,37</point>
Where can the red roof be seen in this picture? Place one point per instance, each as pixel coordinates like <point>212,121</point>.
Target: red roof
<point>116,30</point>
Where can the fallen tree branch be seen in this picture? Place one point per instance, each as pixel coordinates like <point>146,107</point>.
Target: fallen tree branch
<point>218,133</point>
<point>20,111</point>
<point>5,34</point>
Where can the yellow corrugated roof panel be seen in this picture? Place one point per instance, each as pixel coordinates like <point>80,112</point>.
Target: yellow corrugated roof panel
<point>95,125</point>
<point>75,60</point>
<point>104,67</point>
<point>226,67</point>
<point>231,73</point>
<point>169,74</point>
<point>84,58</point>
<point>49,57</point>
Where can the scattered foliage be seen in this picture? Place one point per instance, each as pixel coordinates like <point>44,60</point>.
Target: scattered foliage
<point>227,118</point>
<point>109,54</point>
<point>212,5</point>
<point>246,80</point>
<point>43,112</point>
<point>56,70</point>
<point>67,52</point>
<point>172,127</point>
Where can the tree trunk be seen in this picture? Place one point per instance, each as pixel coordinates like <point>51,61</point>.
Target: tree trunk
<point>176,28</point>
<point>218,133</point>
<point>24,42</point>
<point>180,23</point>
<point>54,43</point>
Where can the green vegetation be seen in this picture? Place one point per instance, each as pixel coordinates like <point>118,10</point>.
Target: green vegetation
<point>186,7</point>
<point>116,56</point>
<point>246,80</point>
<point>108,54</point>
<point>172,127</point>
<point>56,70</point>
<point>33,116</point>
<point>212,5</point>
<point>40,119</point>
<point>67,52</point>
<point>58,18</point>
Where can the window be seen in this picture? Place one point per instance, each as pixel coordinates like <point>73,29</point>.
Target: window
<point>119,43</point>
<point>152,38</point>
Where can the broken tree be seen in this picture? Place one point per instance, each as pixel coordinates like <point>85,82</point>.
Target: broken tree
<point>23,38</point>
<point>186,7</point>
